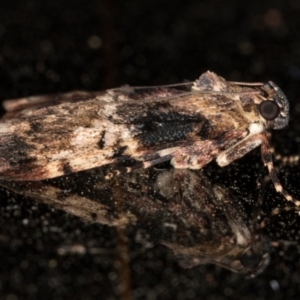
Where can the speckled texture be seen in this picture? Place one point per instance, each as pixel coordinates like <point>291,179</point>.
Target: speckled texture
<point>50,47</point>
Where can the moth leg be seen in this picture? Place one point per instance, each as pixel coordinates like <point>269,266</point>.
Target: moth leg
<point>285,160</point>
<point>239,150</point>
<point>243,147</point>
<point>200,153</point>
<point>268,162</point>
<point>153,162</point>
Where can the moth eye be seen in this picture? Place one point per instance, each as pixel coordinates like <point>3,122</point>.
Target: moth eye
<point>251,260</point>
<point>269,110</point>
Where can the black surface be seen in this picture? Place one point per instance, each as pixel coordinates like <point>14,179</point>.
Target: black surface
<point>56,46</point>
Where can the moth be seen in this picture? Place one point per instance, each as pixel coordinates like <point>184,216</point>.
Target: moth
<point>189,124</point>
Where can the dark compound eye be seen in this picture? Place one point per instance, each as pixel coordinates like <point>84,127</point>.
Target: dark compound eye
<point>269,110</point>
<point>251,260</point>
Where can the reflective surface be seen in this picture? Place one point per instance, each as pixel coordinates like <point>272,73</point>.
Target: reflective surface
<point>124,227</point>
<point>53,47</point>
<point>199,222</point>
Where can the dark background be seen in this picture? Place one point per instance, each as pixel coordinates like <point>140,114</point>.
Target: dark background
<point>56,46</point>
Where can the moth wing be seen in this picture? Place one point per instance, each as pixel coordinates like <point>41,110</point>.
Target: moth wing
<point>15,107</point>
<point>76,132</point>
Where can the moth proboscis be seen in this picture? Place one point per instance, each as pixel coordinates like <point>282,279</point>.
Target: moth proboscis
<point>189,124</point>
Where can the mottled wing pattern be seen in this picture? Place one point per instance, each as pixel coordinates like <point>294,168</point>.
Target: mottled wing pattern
<point>50,137</point>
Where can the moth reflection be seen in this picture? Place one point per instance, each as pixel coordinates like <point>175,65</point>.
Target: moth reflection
<point>199,222</point>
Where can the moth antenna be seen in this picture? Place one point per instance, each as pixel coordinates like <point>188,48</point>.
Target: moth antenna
<point>248,93</point>
<point>184,83</point>
<point>197,92</point>
<point>245,83</point>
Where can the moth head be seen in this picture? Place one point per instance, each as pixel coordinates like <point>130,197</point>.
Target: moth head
<point>275,109</point>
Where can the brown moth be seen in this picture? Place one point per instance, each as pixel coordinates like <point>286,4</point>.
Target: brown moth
<point>189,124</point>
